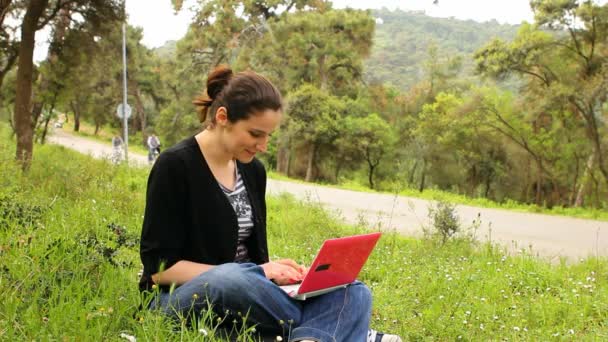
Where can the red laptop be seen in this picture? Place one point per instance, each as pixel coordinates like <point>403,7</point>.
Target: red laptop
<point>337,264</point>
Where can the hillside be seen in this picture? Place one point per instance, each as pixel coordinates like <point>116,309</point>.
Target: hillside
<point>402,41</point>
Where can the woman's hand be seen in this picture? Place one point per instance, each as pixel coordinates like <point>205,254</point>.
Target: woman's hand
<point>284,271</point>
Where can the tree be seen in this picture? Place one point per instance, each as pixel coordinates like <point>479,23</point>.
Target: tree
<point>373,138</point>
<point>313,121</point>
<point>569,69</point>
<point>38,13</point>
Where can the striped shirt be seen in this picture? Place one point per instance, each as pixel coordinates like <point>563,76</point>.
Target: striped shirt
<point>242,207</point>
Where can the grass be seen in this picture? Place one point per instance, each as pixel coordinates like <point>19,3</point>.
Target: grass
<point>69,234</point>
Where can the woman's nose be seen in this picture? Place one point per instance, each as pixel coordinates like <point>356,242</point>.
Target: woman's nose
<point>262,146</point>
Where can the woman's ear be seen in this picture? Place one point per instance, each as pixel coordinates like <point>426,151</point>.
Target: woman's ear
<point>221,116</point>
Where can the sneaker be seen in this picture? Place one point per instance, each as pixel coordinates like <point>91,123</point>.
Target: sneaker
<point>374,336</point>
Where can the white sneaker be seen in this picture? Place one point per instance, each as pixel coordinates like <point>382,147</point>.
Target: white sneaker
<point>374,336</point>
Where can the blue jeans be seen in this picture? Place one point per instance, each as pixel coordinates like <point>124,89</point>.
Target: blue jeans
<point>339,316</point>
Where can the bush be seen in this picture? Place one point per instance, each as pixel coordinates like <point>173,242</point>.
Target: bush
<point>444,221</point>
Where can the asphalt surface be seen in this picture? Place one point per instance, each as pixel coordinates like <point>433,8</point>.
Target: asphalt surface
<point>546,236</point>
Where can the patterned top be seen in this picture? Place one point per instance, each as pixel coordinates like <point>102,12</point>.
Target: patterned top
<point>240,202</point>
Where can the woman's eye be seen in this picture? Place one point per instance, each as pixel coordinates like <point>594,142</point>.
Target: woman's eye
<point>255,134</point>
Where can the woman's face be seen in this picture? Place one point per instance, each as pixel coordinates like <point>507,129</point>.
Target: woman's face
<point>244,138</point>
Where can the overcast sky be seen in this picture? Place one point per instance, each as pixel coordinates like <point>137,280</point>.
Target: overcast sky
<point>160,24</point>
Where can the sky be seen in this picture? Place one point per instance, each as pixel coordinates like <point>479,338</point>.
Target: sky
<point>160,24</point>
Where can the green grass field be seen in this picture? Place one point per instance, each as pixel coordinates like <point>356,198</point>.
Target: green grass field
<point>69,233</point>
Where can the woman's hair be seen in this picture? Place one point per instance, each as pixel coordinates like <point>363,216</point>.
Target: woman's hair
<point>241,94</point>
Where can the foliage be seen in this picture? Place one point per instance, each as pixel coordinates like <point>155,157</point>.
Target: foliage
<point>402,40</point>
<point>565,91</point>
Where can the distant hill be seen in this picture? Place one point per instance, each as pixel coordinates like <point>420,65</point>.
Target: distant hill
<point>402,41</point>
<point>167,50</point>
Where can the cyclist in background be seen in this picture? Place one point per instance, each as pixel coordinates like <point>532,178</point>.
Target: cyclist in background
<point>153,147</point>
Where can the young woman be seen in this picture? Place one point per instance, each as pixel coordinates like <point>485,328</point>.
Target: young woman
<point>204,230</point>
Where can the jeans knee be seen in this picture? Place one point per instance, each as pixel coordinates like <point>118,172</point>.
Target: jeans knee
<point>360,293</point>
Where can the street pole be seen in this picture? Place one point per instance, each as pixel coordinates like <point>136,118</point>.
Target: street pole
<point>125,122</point>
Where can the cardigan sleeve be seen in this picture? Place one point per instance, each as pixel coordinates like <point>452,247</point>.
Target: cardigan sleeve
<point>164,230</point>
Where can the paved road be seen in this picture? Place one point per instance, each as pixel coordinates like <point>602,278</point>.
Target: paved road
<point>550,237</point>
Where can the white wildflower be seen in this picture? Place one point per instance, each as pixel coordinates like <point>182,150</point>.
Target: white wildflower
<point>128,337</point>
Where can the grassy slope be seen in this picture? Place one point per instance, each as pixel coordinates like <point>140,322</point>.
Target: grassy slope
<point>66,273</point>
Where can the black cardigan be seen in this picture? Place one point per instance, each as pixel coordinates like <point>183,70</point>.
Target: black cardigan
<point>188,217</point>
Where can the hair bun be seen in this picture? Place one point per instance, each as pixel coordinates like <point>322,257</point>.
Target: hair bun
<point>217,80</point>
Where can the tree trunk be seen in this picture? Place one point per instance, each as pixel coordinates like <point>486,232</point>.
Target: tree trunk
<point>410,179</point>
<point>539,182</point>
<point>311,162</point>
<point>580,195</point>
<point>572,194</point>
<point>423,176</point>
<point>46,122</point>
<point>23,99</point>
<point>97,126</point>
<point>36,111</point>
<point>370,176</point>
<point>283,154</point>
<point>45,130</point>
<point>76,110</point>
<point>488,185</point>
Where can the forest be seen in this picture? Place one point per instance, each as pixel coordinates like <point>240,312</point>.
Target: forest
<point>388,99</point>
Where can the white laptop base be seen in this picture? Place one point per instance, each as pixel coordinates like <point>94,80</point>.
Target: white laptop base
<point>292,291</point>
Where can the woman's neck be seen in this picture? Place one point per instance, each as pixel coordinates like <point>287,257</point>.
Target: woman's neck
<point>212,148</point>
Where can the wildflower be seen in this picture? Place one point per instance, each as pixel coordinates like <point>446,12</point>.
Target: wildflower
<point>571,331</point>
<point>465,322</point>
<point>481,326</point>
<point>45,319</point>
<point>203,332</point>
<point>128,337</point>
<point>441,297</point>
<point>279,338</point>
<point>154,286</point>
<point>516,328</point>
<point>195,296</point>
<point>141,319</point>
<point>467,313</point>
